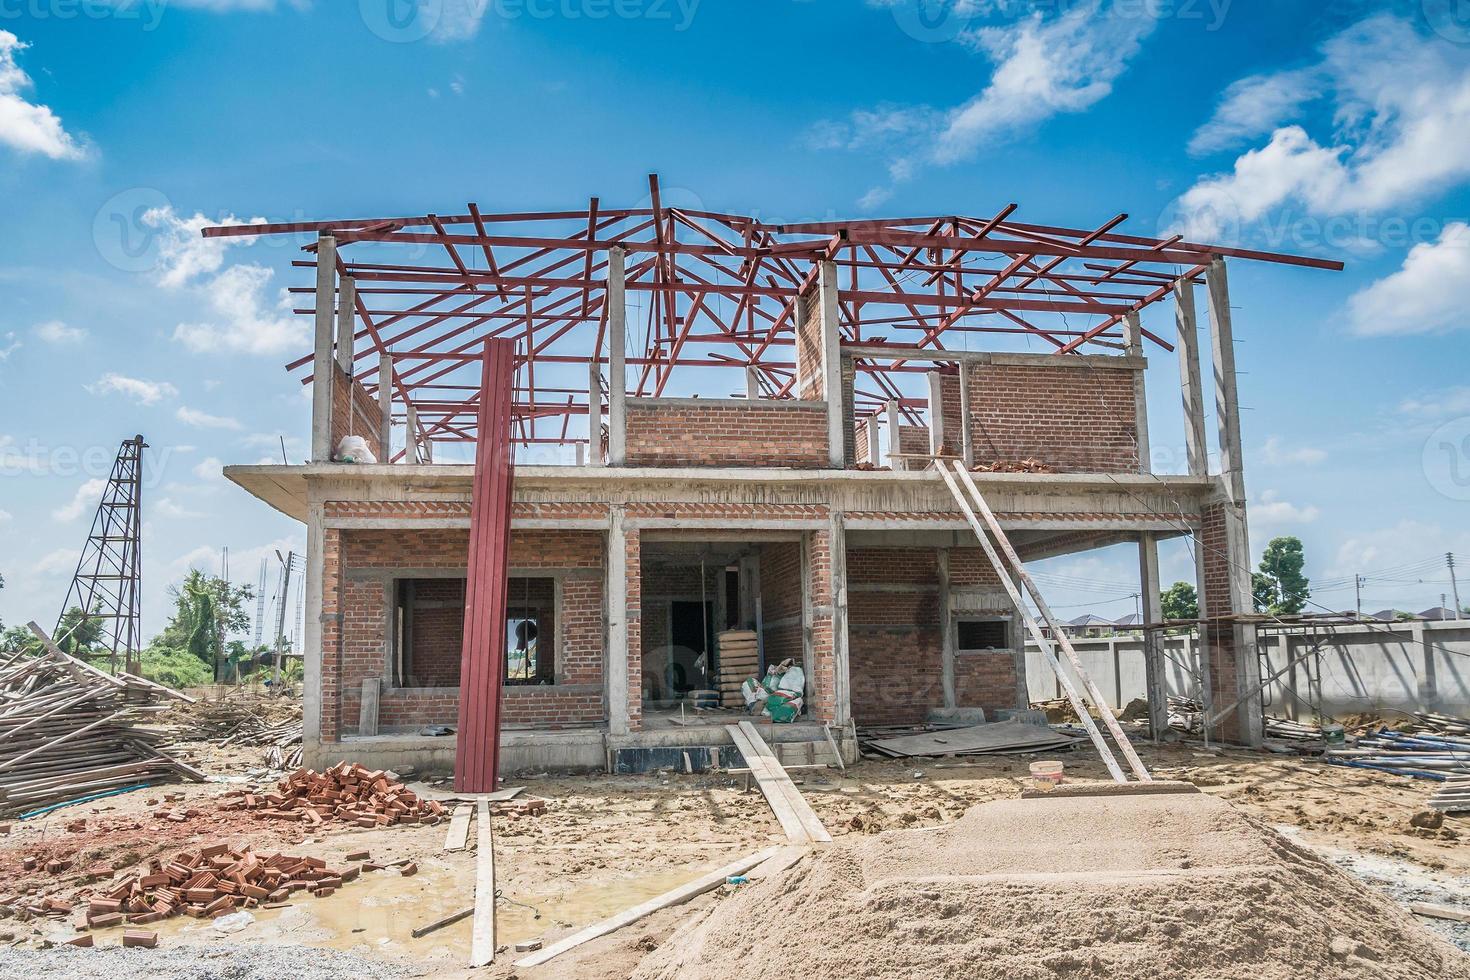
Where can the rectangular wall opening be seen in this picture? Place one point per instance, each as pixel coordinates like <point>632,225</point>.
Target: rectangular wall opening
<point>428,632</point>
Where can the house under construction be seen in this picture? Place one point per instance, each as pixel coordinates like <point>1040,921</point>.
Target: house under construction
<point>723,424</point>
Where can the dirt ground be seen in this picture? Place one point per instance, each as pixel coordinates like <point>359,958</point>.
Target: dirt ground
<point>607,843</point>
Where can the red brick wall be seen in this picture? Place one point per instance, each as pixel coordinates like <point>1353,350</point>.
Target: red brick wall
<point>823,682</point>
<point>1214,545</point>
<point>780,568</point>
<point>355,413</point>
<point>895,639</point>
<point>437,640</point>
<point>810,382</point>
<point>358,648</point>
<point>1075,417</point>
<point>726,433</point>
<point>949,412</point>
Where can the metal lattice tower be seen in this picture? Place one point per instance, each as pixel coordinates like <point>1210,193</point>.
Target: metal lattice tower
<point>108,579</point>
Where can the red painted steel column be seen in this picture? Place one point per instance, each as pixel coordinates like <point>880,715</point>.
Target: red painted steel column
<point>482,666</point>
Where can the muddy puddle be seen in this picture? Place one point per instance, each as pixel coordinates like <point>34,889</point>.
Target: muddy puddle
<point>378,913</point>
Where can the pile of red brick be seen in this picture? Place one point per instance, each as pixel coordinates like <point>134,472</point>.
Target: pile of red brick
<point>215,881</point>
<point>348,792</point>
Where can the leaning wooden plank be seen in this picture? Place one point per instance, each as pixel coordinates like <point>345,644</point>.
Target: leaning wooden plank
<point>811,825</point>
<point>770,787</point>
<point>783,859</point>
<point>482,941</point>
<point>677,896</point>
<point>458,837</point>
<point>74,665</point>
<point>1440,912</point>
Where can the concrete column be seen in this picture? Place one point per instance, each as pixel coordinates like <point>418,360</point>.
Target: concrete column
<point>1189,379</point>
<point>1153,640</point>
<point>936,413</point>
<point>946,632</point>
<point>832,365</point>
<point>894,462</point>
<point>617,366</point>
<point>615,663</point>
<point>346,323</point>
<point>1227,403</point>
<point>752,383</point>
<point>321,365</point>
<point>841,672</point>
<point>1133,340</point>
<point>412,449</point>
<point>594,413</point>
<point>1428,673</point>
<point>311,640</point>
<point>1237,533</point>
<point>967,442</point>
<point>873,447</point>
<point>385,406</point>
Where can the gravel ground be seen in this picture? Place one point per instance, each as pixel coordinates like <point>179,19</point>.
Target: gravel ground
<point>253,962</point>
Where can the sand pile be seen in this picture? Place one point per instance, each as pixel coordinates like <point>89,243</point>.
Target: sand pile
<point>1159,887</point>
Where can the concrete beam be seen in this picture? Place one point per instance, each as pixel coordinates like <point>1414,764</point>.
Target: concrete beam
<point>321,365</point>
<point>874,449</point>
<point>967,441</point>
<point>311,641</point>
<point>617,357</point>
<point>1227,395</point>
<point>752,383</point>
<point>1133,341</point>
<point>837,538</point>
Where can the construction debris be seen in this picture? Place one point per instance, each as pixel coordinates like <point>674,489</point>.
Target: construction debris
<point>68,731</point>
<point>348,792</point>
<point>998,737</point>
<point>1405,754</point>
<point>1013,466</point>
<point>211,882</point>
<point>244,718</point>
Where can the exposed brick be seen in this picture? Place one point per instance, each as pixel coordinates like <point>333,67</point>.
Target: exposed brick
<point>789,434</point>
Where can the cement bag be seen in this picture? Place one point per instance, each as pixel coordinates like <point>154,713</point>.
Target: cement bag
<point>354,449</point>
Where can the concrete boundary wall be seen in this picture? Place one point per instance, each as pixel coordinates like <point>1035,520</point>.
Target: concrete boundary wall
<point>1398,666</point>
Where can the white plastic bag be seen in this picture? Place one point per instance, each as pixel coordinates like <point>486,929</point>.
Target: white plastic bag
<point>354,449</point>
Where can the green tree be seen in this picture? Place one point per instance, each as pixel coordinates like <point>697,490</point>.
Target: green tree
<point>1180,601</point>
<point>1281,588</point>
<point>207,609</point>
<point>78,634</point>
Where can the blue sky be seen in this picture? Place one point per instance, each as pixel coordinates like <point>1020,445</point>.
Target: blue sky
<point>1339,129</point>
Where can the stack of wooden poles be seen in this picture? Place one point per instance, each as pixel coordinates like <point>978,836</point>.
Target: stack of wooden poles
<point>67,731</point>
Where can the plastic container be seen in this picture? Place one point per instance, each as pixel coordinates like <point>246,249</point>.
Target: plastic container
<point>1047,773</point>
<point>1334,736</point>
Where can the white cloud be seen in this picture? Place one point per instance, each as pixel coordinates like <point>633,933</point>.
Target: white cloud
<point>245,321</point>
<point>203,420</point>
<point>1255,106</point>
<point>1440,404</point>
<point>1429,294</point>
<point>875,198</point>
<point>1400,130</point>
<point>83,501</point>
<point>8,345</point>
<point>26,126</point>
<point>5,516</point>
<point>1270,509</point>
<point>184,254</point>
<point>141,391</point>
<point>1277,453</point>
<point>458,20</point>
<point>1404,542</point>
<point>58,333</point>
<point>173,510</point>
<point>56,562</point>
<point>210,468</point>
<point>1043,67</point>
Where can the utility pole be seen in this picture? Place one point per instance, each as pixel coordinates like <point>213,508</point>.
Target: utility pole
<point>286,564</point>
<point>1358,587</point>
<point>1454,586</point>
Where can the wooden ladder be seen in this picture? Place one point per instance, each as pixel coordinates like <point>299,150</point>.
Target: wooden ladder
<point>1010,570</point>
